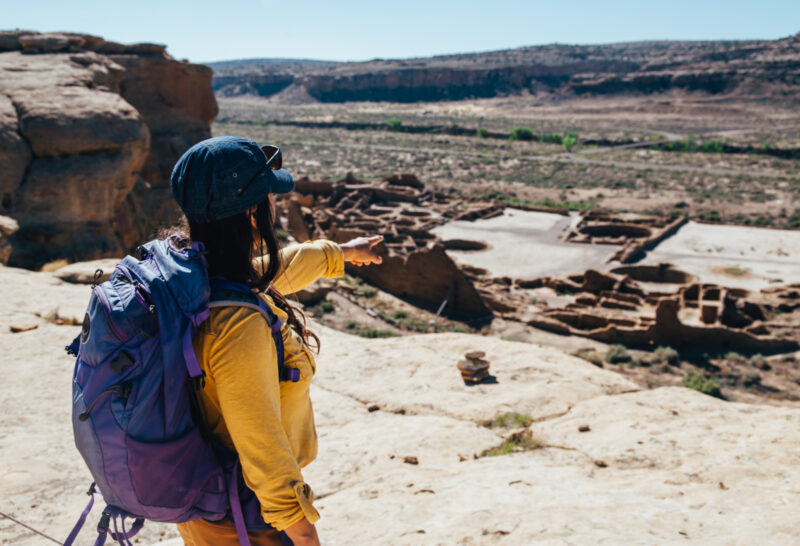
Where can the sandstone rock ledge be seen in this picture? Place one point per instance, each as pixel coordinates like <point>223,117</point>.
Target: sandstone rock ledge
<point>89,132</point>
<point>661,466</point>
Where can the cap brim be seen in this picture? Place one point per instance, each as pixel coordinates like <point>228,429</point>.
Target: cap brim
<point>279,181</point>
<point>271,181</point>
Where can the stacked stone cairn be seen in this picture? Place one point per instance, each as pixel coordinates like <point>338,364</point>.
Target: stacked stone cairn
<point>474,368</point>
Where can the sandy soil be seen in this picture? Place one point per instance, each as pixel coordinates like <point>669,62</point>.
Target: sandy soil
<point>524,244</point>
<point>739,256</point>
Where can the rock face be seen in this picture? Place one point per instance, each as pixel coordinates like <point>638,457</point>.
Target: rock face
<point>403,444</point>
<point>89,131</point>
<point>744,68</point>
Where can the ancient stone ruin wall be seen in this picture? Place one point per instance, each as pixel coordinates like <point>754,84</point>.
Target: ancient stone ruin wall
<point>89,131</point>
<point>415,265</point>
<point>636,233</point>
<point>614,308</point>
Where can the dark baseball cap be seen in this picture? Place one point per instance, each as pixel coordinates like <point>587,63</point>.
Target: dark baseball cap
<point>223,176</point>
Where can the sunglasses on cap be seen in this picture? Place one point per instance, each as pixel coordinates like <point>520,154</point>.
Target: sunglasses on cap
<point>274,162</point>
<point>274,157</point>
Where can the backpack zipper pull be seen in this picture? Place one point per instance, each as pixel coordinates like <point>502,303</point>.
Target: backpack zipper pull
<point>98,274</point>
<point>85,415</point>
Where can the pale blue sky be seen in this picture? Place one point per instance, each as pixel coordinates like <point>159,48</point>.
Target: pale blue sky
<point>359,29</point>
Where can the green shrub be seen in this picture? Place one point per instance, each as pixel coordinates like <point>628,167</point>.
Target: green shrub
<point>735,271</point>
<point>551,138</point>
<point>395,124</point>
<point>400,315</point>
<point>617,354</point>
<point>569,141</point>
<point>503,449</point>
<point>711,216</point>
<point>666,355</point>
<point>698,382</point>
<point>321,308</point>
<point>522,441</point>
<point>482,132</point>
<point>712,147</point>
<point>368,292</point>
<point>735,357</point>
<point>759,361</point>
<point>364,331</point>
<point>794,219</point>
<point>511,420</point>
<point>569,205</point>
<point>520,133</point>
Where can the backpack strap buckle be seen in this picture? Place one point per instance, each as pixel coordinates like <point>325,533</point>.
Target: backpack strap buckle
<point>290,374</point>
<point>103,524</point>
<point>72,348</point>
<point>199,382</point>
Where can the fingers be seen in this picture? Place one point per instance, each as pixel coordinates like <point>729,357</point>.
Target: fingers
<point>359,251</point>
<point>369,260</point>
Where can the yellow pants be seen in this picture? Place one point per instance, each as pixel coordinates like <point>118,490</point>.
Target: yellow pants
<point>200,532</point>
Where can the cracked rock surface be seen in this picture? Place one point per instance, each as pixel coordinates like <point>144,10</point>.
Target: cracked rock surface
<point>654,466</point>
<point>89,133</point>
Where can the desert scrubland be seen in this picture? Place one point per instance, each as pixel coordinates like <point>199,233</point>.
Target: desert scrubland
<point>619,239</point>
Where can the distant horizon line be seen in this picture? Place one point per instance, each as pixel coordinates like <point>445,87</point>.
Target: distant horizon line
<point>653,41</point>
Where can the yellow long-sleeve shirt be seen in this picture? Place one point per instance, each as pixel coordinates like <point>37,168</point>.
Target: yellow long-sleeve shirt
<point>245,407</point>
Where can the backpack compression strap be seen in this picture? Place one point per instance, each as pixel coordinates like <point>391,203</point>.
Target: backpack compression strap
<point>110,515</point>
<point>226,293</point>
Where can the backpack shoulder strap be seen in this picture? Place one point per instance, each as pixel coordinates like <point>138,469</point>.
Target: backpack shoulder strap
<point>225,293</point>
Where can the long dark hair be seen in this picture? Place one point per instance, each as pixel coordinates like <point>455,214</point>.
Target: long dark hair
<point>231,247</point>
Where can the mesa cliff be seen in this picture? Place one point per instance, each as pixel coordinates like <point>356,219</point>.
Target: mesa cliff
<point>753,68</point>
<point>90,130</point>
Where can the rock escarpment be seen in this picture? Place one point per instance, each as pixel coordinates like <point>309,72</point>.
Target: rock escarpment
<point>89,131</point>
<point>753,68</point>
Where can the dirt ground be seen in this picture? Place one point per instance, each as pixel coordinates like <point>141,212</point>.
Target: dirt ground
<point>524,245</point>
<point>716,162</point>
<point>756,182</point>
<point>745,257</point>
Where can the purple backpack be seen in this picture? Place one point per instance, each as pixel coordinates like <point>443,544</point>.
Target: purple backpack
<point>133,406</point>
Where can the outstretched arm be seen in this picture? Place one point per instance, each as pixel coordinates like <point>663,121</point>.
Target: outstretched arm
<point>305,263</point>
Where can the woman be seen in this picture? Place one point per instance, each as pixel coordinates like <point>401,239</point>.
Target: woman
<point>225,187</point>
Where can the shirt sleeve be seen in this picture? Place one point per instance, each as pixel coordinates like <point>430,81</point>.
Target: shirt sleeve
<point>243,361</point>
<point>305,263</point>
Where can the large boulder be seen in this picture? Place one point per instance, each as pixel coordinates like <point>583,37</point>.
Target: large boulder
<point>89,132</point>
<point>68,121</point>
<point>178,105</point>
<point>79,188</point>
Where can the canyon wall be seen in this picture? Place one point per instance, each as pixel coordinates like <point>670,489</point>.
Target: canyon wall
<point>90,130</point>
<point>754,68</point>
